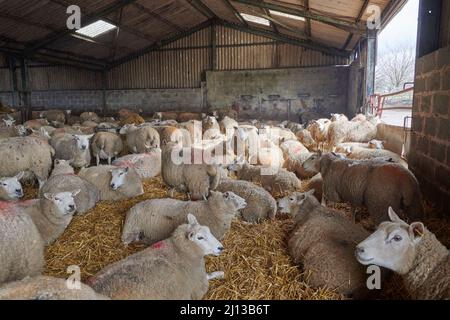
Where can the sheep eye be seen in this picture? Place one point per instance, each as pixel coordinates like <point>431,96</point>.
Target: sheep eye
<point>397,238</point>
<point>57,199</point>
<point>200,238</point>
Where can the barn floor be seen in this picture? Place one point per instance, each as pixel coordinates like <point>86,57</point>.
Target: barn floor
<point>256,262</point>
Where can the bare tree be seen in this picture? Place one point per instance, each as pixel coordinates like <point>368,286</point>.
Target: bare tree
<point>394,68</point>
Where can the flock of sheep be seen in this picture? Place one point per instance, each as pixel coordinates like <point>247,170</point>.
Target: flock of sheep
<point>228,169</point>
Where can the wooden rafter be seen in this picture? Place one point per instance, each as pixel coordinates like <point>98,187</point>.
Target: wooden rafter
<point>235,12</point>
<point>358,19</point>
<point>158,17</point>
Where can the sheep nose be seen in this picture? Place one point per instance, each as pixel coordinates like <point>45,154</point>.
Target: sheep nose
<point>71,206</point>
<point>220,248</point>
<point>83,147</point>
<point>19,191</point>
<point>359,250</point>
<point>112,185</point>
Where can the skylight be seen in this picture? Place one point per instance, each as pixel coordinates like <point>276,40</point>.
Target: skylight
<point>255,19</point>
<point>286,15</point>
<point>96,28</point>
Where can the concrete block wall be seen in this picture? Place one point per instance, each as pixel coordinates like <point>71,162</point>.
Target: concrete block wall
<point>265,93</point>
<point>430,141</point>
<point>68,99</point>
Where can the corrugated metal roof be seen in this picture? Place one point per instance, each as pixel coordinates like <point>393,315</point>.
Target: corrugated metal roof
<point>146,22</point>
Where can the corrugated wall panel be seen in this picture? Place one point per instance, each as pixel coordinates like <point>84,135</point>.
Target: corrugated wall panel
<point>182,64</point>
<point>5,82</point>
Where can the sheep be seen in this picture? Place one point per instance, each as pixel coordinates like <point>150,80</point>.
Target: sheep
<point>412,251</point>
<point>294,163</point>
<point>323,242</point>
<point>154,220</point>
<point>132,118</point>
<point>55,117</point>
<point>114,183</point>
<point>359,117</point>
<point>210,123</point>
<point>72,120</point>
<point>364,153</point>
<point>196,179</point>
<point>346,146</point>
<point>246,141</point>
<point>62,167</point>
<point>305,137</point>
<point>319,130</point>
<point>107,127</point>
<point>166,115</point>
<point>316,184</point>
<point>124,113</point>
<point>35,124</point>
<point>47,288</point>
<point>245,171</point>
<point>72,147</point>
<point>84,200</point>
<point>21,245</point>
<point>187,116</point>
<point>195,130</point>
<point>282,180</point>
<point>292,147</point>
<point>338,117</point>
<point>90,124</point>
<point>10,187</point>
<point>106,145</point>
<point>52,213</point>
<point>171,269</point>
<point>260,204</point>
<point>29,154</point>
<point>174,134</point>
<point>269,155</point>
<point>374,184</point>
<point>147,165</point>
<point>352,131</point>
<point>140,139</point>
<point>228,123</point>
<point>13,131</point>
<point>89,116</point>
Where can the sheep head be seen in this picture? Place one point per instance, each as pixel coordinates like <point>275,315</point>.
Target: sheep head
<point>64,201</point>
<point>202,237</point>
<point>392,245</point>
<point>12,186</point>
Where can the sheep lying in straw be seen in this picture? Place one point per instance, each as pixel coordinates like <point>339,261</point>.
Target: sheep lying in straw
<point>84,200</point>
<point>89,116</point>
<point>62,167</point>
<point>323,241</point>
<point>140,139</point>
<point>51,214</point>
<point>147,165</point>
<point>156,219</point>
<point>47,288</point>
<point>72,147</point>
<point>29,154</point>
<point>21,245</point>
<point>196,179</point>
<point>374,184</point>
<point>260,204</point>
<point>367,154</point>
<point>114,183</point>
<point>105,146</point>
<point>11,188</point>
<point>412,251</point>
<point>352,131</point>
<point>171,269</point>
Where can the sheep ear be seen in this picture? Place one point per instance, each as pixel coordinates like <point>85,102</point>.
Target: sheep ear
<point>74,193</point>
<point>310,192</point>
<point>90,136</point>
<point>19,175</point>
<point>70,161</point>
<point>416,230</point>
<point>48,196</point>
<point>76,137</point>
<point>319,153</point>
<point>192,220</point>
<point>393,216</point>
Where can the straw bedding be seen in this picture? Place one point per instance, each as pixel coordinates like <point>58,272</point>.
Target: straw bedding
<point>256,262</point>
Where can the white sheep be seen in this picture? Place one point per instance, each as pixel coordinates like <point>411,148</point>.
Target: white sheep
<point>412,251</point>
<point>114,183</point>
<point>89,116</point>
<point>105,146</point>
<point>47,288</point>
<point>84,200</point>
<point>21,245</point>
<point>323,242</point>
<point>171,269</point>
<point>374,184</point>
<point>260,203</point>
<point>11,188</point>
<point>368,154</point>
<point>62,167</point>
<point>154,220</point>
<point>351,131</point>
<point>29,154</point>
<point>196,179</point>
<point>140,139</point>
<point>72,147</point>
<point>147,165</point>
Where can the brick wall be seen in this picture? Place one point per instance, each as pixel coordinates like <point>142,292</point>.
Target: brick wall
<point>430,143</point>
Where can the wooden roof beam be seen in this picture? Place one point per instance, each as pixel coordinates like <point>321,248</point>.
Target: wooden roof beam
<point>203,9</point>
<point>158,17</point>
<point>235,12</point>
<point>338,23</point>
<point>358,19</point>
<point>45,41</point>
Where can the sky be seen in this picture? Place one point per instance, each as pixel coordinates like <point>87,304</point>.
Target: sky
<point>402,29</point>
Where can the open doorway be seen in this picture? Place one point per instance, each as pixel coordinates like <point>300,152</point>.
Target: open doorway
<point>396,56</point>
